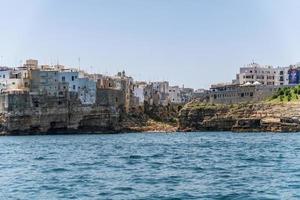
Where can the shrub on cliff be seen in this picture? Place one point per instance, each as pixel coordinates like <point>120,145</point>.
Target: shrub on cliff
<point>281,97</point>
<point>287,92</point>
<point>280,92</point>
<point>275,96</point>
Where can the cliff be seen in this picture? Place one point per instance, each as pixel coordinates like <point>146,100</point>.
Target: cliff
<point>151,118</point>
<point>267,116</point>
<point>24,113</point>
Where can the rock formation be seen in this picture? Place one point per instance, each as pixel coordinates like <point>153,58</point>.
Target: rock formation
<point>263,116</point>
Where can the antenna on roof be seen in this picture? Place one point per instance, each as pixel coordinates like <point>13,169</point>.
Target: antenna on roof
<point>78,63</point>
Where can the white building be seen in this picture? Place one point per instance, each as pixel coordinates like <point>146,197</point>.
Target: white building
<point>71,77</point>
<point>282,76</point>
<point>139,90</point>
<point>254,72</point>
<point>4,77</point>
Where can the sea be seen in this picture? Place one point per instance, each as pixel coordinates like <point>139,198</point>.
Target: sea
<point>200,165</point>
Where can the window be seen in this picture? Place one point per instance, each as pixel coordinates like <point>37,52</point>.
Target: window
<point>72,78</point>
<point>36,104</point>
<point>74,87</point>
<point>63,79</point>
<point>3,75</point>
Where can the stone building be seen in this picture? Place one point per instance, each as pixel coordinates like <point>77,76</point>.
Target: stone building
<point>31,64</point>
<point>157,93</point>
<point>126,84</point>
<point>174,94</point>
<point>235,93</point>
<point>44,82</point>
<point>186,94</point>
<point>110,98</point>
<point>105,82</point>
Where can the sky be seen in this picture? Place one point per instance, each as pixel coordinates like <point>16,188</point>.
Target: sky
<point>193,43</point>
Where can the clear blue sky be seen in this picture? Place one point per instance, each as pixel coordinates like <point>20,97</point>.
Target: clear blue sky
<point>191,42</point>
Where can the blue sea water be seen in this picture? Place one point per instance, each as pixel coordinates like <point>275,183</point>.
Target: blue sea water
<point>151,166</point>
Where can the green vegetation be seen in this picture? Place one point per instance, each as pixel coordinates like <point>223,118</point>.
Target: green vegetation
<point>286,94</point>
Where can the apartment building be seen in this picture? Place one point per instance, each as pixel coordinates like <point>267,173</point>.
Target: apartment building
<point>254,72</point>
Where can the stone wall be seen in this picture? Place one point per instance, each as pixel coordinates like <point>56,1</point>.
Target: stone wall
<point>110,97</point>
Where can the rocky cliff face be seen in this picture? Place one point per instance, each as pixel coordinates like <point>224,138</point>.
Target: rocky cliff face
<point>30,114</point>
<point>264,116</point>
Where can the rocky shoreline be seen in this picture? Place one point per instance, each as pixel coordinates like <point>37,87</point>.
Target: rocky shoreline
<point>194,116</point>
<point>250,117</point>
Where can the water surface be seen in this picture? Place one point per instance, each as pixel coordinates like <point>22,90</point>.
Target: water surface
<point>151,166</point>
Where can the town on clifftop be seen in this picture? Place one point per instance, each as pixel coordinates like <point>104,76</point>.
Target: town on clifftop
<point>42,98</point>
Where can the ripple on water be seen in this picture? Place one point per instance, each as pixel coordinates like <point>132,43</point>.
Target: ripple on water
<point>151,166</point>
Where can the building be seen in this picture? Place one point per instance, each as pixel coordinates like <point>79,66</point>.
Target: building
<point>254,72</point>
<point>4,77</point>
<point>282,75</point>
<point>186,94</point>
<point>31,64</point>
<point>174,94</point>
<point>157,93</point>
<point>86,90</point>
<point>44,82</point>
<point>235,93</point>
<point>105,82</point>
<point>138,92</point>
<point>70,76</point>
<point>125,84</point>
